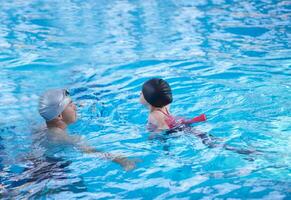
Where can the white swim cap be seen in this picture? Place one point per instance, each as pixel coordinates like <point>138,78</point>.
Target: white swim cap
<point>52,103</point>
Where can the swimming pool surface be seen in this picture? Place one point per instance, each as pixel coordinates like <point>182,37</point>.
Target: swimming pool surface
<point>230,59</point>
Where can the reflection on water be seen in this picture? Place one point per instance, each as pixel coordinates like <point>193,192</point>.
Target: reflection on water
<point>228,59</point>
<point>33,173</point>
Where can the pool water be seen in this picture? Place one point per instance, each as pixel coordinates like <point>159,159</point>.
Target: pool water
<point>228,59</point>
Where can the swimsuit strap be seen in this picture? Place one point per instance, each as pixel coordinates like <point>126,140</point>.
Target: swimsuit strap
<point>165,113</point>
<point>170,120</point>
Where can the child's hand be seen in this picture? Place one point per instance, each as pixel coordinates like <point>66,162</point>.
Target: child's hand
<point>126,163</point>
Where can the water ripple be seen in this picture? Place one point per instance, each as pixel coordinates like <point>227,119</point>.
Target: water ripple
<point>228,59</point>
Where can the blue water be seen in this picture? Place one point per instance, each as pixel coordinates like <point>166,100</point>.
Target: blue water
<point>229,59</point>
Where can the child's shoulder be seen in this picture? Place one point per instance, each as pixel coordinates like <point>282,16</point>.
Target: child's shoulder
<point>157,115</point>
<point>157,118</point>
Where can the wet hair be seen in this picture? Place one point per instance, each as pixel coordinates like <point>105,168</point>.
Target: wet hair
<point>157,92</point>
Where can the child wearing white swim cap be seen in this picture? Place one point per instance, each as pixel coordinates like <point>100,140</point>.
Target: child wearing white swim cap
<point>56,102</point>
<point>57,108</point>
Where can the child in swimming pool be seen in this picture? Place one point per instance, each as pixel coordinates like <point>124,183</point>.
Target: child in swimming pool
<point>157,95</point>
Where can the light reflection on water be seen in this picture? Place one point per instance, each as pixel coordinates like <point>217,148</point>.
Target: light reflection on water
<point>228,59</point>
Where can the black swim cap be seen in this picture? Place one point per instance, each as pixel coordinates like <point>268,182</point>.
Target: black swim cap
<point>157,92</point>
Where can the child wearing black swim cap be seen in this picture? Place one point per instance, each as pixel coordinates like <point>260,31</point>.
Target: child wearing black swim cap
<point>157,96</point>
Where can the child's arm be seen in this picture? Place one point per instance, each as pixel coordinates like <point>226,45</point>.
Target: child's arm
<point>85,148</point>
<point>123,161</point>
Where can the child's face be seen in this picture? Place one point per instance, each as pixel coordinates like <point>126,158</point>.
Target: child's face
<point>142,100</point>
